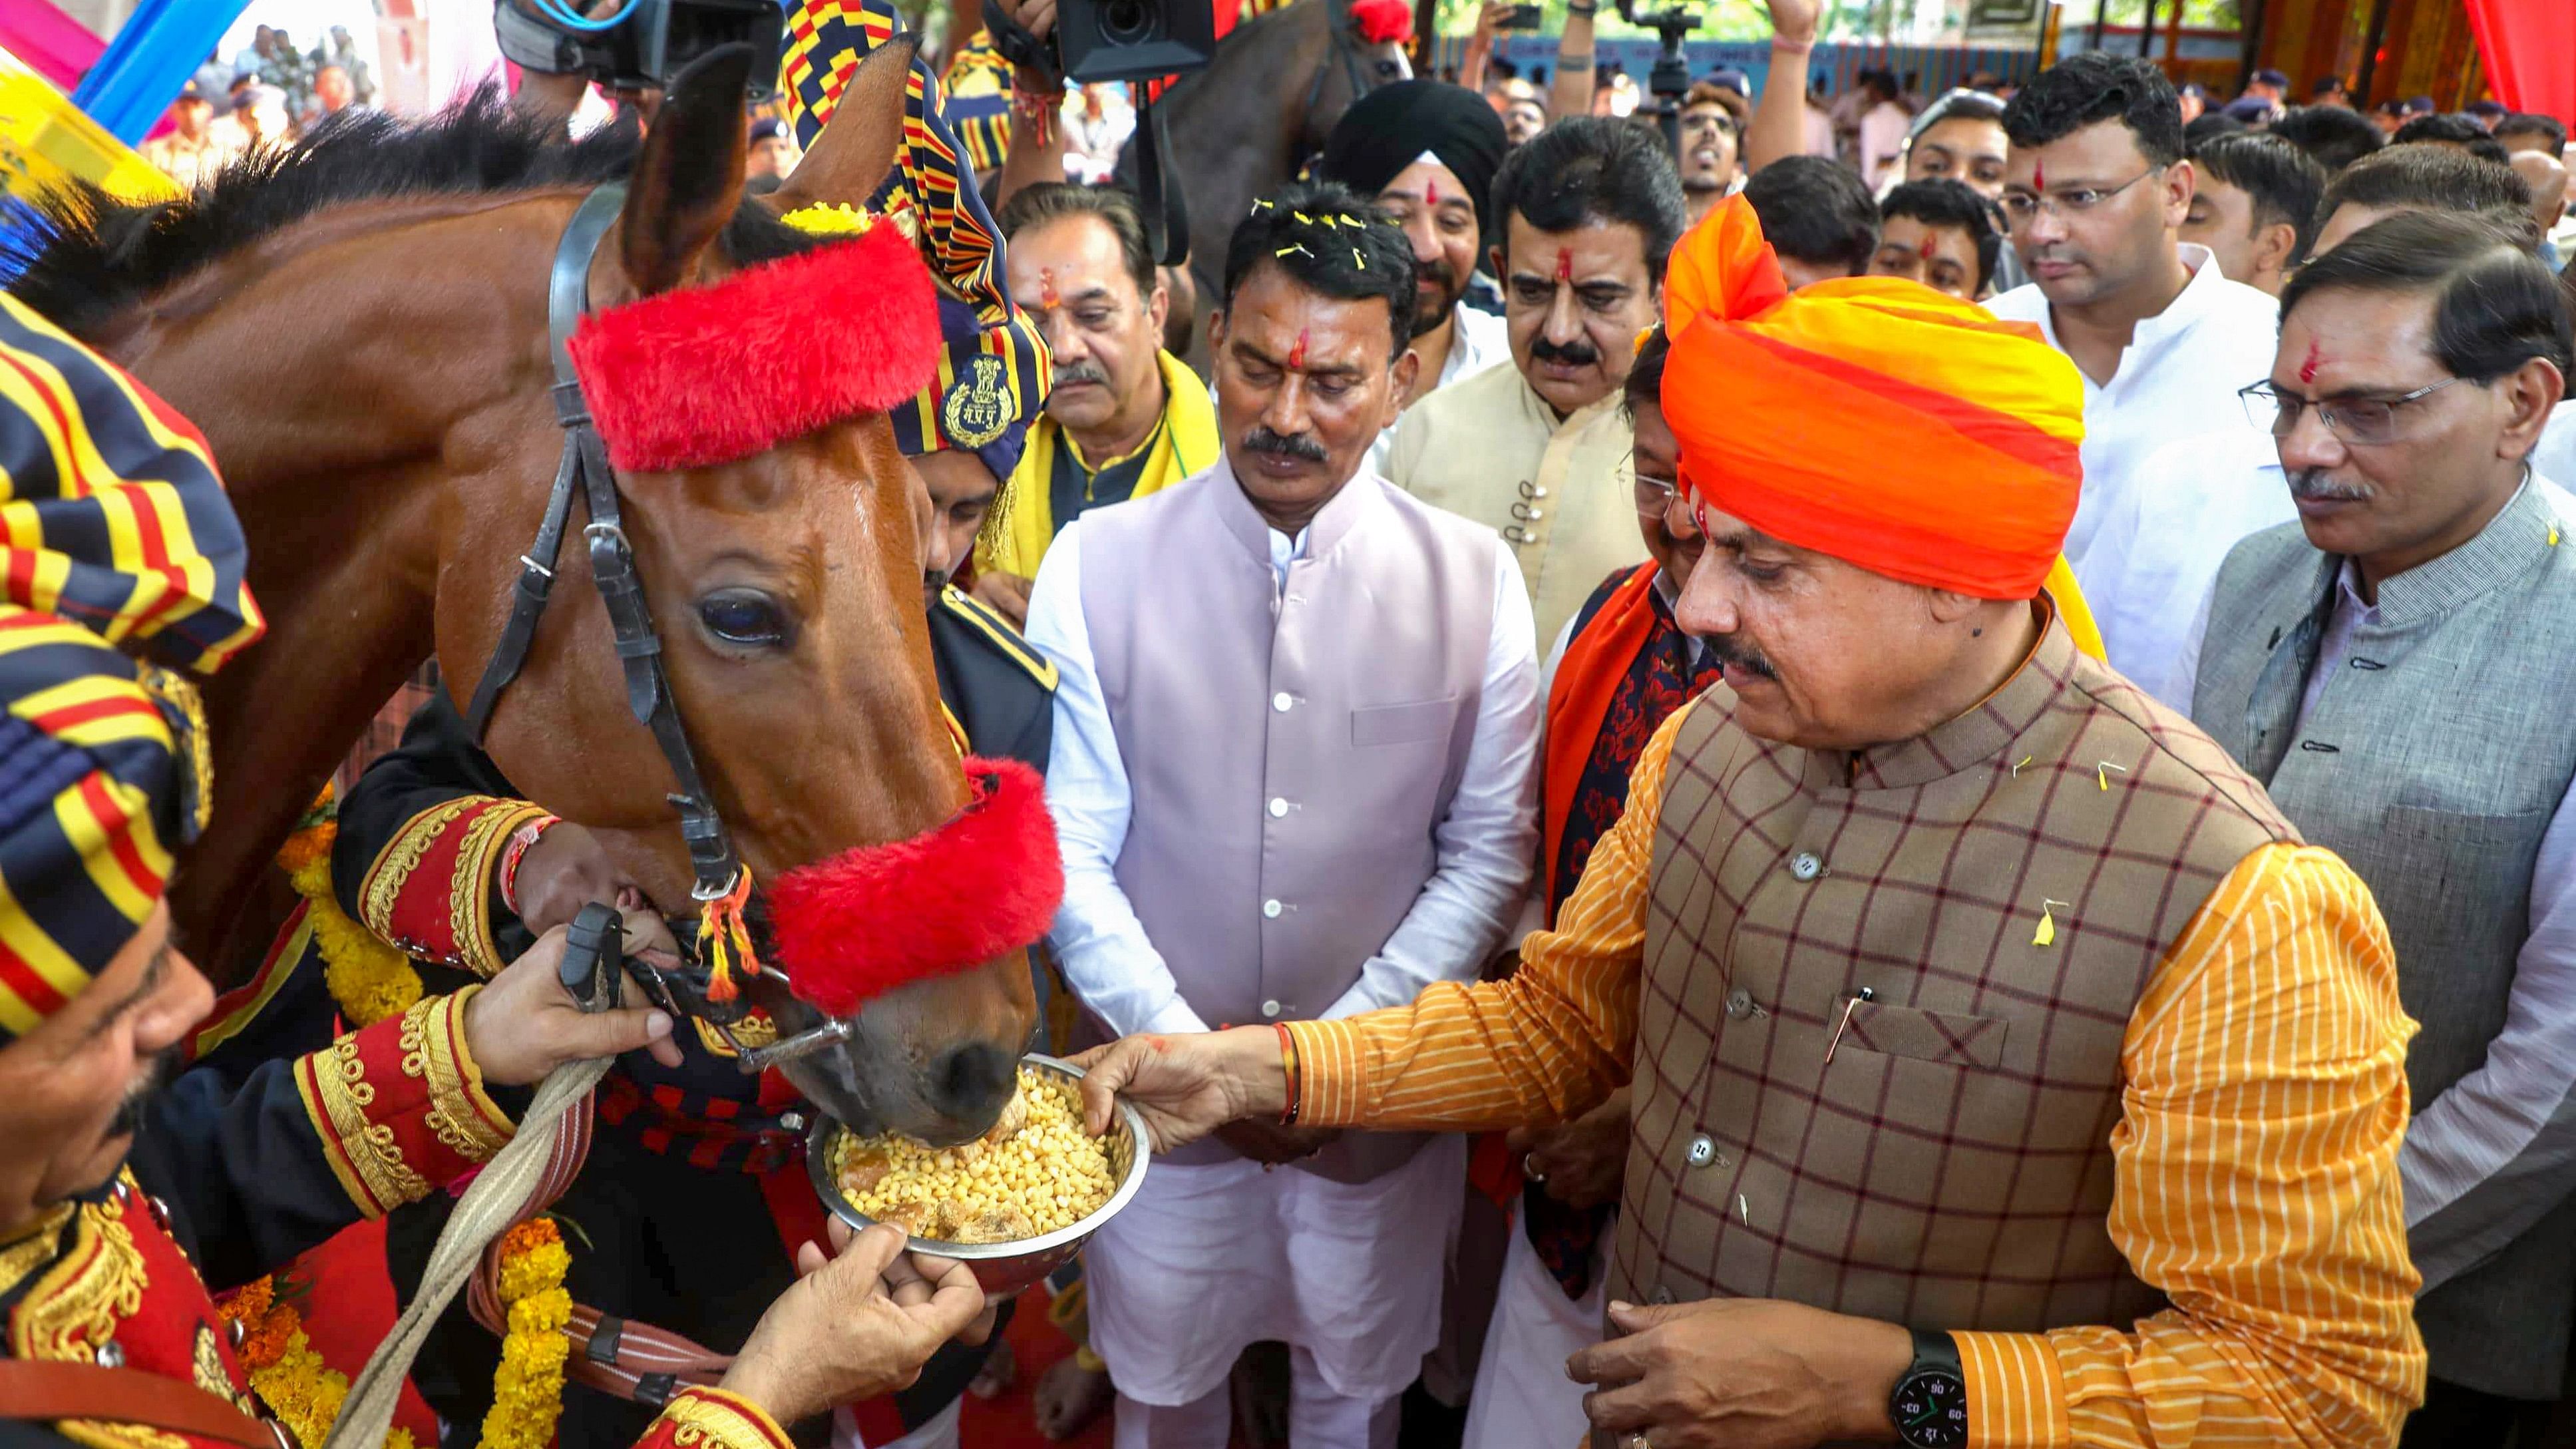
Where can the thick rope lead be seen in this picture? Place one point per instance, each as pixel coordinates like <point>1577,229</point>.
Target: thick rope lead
<point>486,1211</point>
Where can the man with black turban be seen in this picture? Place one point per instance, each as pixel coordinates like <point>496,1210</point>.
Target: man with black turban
<point>1427,152</point>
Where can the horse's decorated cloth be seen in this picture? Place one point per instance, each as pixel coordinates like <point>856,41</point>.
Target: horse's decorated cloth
<point>993,368</point>
<point>1912,434</point>
<point>117,537</point>
<point>708,375</point>
<point>868,920</point>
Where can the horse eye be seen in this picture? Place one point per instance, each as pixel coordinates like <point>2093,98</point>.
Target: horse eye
<point>744,617</point>
<point>1389,69</point>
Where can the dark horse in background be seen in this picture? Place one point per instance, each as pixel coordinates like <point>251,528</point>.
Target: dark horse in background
<point>1247,124</point>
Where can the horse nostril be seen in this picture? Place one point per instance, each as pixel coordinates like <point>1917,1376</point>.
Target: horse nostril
<point>971,1083</point>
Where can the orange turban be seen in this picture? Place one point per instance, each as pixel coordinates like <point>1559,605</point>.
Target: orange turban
<point>1869,418</point>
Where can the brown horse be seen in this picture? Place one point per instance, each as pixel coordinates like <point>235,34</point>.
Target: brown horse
<point>1243,127</point>
<point>360,328</point>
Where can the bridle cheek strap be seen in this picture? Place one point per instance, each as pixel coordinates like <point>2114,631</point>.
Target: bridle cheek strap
<point>868,920</point>
<point>707,375</point>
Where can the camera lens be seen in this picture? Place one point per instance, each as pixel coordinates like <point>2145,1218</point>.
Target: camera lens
<point>1127,22</point>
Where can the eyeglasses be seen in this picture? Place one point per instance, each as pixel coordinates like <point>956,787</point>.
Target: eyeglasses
<point>2363,422</point>
<point>2021,206</point>
<point>1655,496</point>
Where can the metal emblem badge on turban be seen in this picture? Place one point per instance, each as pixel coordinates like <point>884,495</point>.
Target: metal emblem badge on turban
<point>978,410</point>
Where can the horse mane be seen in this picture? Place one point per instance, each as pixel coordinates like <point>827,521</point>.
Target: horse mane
<point>88,256</point>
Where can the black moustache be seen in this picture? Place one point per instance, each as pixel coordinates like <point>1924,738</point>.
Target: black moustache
<point>129,1113</point>
<point>1572,354</point>
<point>1298,446</point>
<point>1736,656</point>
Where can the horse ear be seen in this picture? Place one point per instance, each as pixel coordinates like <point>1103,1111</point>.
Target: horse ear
<point>856,149</point>
<point>688,178</point>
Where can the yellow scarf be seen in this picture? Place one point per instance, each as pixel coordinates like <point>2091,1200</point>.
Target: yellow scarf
<point>1185,443</point>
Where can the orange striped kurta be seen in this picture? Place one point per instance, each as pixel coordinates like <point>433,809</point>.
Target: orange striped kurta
<point>2256,1158</point>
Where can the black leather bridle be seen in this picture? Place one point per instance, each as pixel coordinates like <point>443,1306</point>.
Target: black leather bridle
<point>585,469</point>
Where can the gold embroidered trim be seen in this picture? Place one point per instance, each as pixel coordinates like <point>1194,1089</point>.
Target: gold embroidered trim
<point>712,1416</point>
<point>392,868</point>
<point>340,1077</point>
<point>433,1047</point>
<point>39,1246</point>
<point>469,892</point>
<point>209,1366</point>
<point>76,1306</point>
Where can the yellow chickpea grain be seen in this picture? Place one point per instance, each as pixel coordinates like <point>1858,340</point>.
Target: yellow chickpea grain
<point>1044,1174</point>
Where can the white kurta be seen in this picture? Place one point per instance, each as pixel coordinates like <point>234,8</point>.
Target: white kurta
<point>1208,1259</point>
<point>1522,1396</point>
<point>2178,379</point>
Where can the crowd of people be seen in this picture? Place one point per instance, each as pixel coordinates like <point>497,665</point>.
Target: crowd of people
<point>266,97</point>
<point>1892,777</point>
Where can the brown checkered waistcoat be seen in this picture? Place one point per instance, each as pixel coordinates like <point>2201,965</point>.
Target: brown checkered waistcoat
<point>1947,1164</point>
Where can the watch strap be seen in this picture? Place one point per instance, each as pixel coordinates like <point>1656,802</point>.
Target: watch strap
<point>1934,1348</point>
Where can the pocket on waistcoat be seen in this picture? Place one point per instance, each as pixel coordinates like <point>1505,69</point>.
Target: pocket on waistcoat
<point>1932,1036</point>
<point>1403,724</point>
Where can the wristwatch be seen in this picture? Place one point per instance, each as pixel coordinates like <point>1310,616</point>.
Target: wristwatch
<point>1930,1404</point>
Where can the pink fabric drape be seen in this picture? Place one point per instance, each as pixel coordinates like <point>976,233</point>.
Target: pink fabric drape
<point>48,42</point>
<point>2530,50</point>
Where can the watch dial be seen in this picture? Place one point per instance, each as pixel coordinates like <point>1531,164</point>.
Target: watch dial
<point>1931,1410</point>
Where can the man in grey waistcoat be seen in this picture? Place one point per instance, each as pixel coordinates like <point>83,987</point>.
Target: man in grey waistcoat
<point>1293,776</point>
<point>2398,667</point>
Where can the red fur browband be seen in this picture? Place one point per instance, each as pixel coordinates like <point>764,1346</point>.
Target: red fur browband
<point>871,919</point>
<point>1383,22</point>
<point>706,375</point>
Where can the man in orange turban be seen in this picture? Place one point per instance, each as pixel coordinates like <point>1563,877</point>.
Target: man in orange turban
<point>2003,1069</point>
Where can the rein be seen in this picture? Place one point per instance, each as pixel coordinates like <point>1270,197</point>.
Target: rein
<point>1337,23</point>
<point>723,882</point>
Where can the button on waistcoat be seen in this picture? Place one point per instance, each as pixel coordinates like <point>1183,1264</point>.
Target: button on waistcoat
<point>1290,750</point>
<point>1867,1077</point>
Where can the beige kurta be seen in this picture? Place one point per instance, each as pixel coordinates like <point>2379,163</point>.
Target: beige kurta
<point>1561,494</point>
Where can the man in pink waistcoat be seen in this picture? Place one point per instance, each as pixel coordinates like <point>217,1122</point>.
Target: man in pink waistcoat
<point>1293,778</point>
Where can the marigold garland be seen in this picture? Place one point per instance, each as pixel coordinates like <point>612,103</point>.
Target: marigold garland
<point>370,979</point>
<point>527,1393</point>
<point>299,1388</point>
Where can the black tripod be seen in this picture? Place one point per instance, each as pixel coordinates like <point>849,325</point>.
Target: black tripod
<point>1670,80</point>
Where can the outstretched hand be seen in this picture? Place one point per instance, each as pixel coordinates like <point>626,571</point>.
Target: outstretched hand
<point>1185,1087</point>
<point>855,1326</point>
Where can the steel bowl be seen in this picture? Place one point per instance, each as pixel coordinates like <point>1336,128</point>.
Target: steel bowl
<point>1003,1268</point>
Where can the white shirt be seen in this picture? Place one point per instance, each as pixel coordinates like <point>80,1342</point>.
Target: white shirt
<point>1486,843</point>
<point>2555,457</point>
<point>2157,552</point>
<point>2177,378</point>
<point>2495,1151</point>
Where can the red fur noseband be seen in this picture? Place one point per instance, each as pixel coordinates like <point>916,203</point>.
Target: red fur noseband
<point>871,919</point>
<point>706,375</point>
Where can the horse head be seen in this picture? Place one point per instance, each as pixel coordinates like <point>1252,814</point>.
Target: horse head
<point>785,587</point>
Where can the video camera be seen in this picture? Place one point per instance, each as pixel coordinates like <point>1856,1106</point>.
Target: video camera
<point>1112,40</point>
<point>644,43</point>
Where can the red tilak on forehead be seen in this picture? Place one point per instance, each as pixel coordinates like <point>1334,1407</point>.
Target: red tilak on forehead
<point>2308,369</point>
<point>1564,265</point>
<point>1297,354</point>
<point>1430,192</point>
<point>2038,176</point>
<point>1927,249</point>
<point>1046,288</point>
